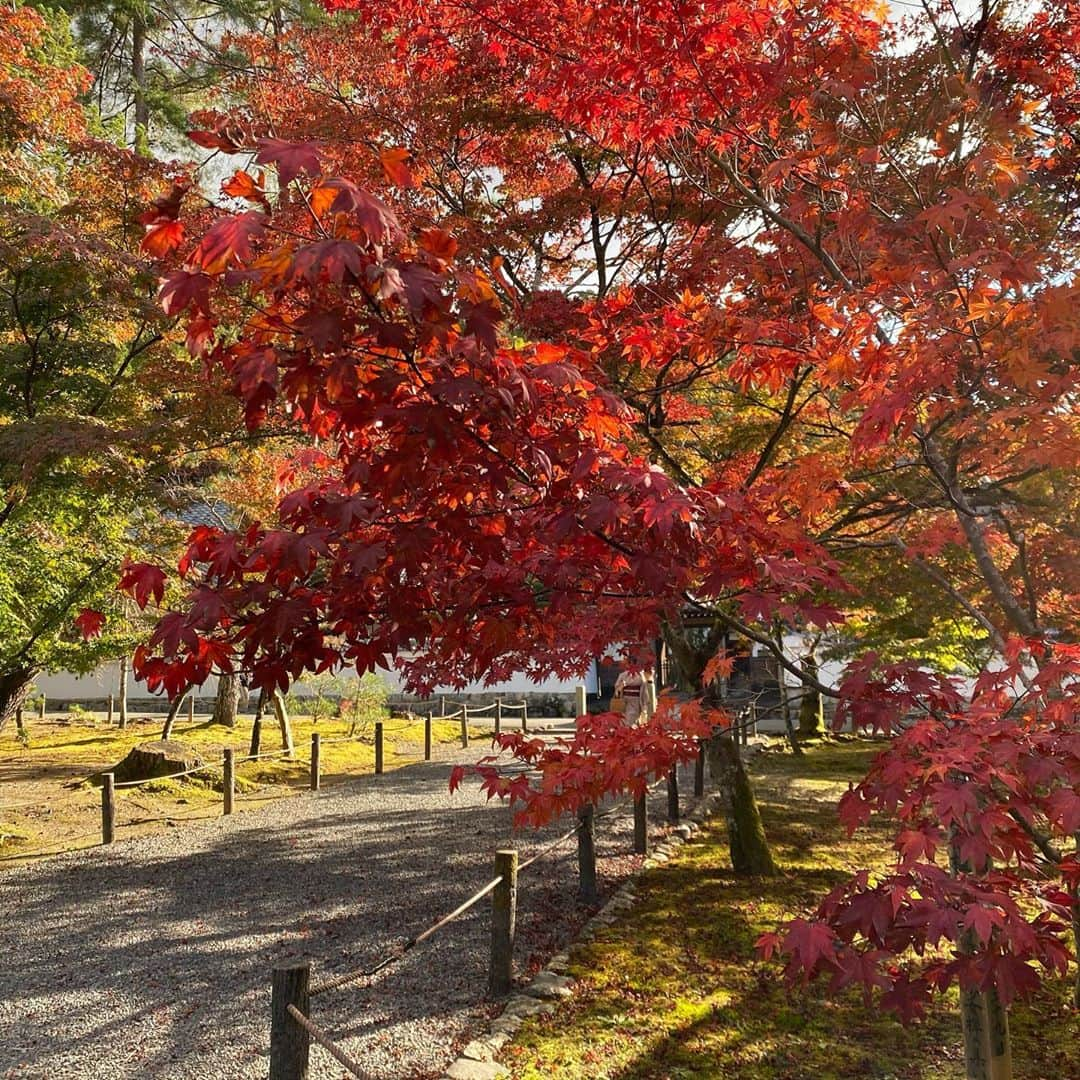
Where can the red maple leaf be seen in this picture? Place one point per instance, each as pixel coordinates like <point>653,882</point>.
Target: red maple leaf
<point>144,581</point>
<point>89,623</point>
<point>291,158</point>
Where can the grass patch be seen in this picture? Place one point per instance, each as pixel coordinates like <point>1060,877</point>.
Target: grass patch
<point>50,797</point>
<point>673,991</point>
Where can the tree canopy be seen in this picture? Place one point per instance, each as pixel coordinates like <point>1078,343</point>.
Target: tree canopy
<point>592,315</point>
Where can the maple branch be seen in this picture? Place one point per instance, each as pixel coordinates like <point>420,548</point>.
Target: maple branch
<point>766,640</point>
<point>786,418</point>
<point>809,242</point>
<point>132,354</point>
<point>968,520</point>
<point>939,579</point>
<point>51,618</point>
<point>1041,840</point>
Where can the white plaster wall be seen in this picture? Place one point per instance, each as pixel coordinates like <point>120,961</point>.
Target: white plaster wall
<point>64,686</point>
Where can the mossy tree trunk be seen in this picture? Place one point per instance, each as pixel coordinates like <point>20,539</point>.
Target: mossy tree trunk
<point>282,714</point>
<point>747,842</point>
<point>256,726</point>
<point>227,701</point>
<point>15,687</point>
<point>811,711</point>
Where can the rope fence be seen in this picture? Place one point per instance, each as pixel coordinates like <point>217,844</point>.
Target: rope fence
<point>225,771</point>
<point>317,1035</point>
<point>746,722</point>
<point>167,776</point>
<point>293,1030</point>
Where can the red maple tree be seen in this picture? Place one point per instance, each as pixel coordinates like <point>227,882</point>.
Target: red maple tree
<point>831,319</point>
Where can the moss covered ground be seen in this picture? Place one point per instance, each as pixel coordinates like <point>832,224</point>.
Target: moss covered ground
<point>673,991</point>
<point>49,799</point>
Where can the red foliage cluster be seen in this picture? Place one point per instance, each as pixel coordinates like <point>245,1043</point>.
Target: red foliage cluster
<point>474,500</point>
<point>986,795</point>
<point>604,757</point>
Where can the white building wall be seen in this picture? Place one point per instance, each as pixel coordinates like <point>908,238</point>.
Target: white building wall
<point>64,686</point>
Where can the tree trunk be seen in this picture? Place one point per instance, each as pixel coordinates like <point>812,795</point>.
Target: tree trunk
<point>987,1046</point>
<point>976,1043</point>
<point>141,105</point>
<point>748,845</point>
<point>15,687</point>
<point>785,712</point>
<point>174,711</point>
<point>227,701</point>
<point>122,691</point>
<point>785,700</point>
<point>997,1033</point>
<point>1076,931</point>
<point>278,703</point>
<point>256,726</point>
<point>747,842</point>
<point>811,713</point>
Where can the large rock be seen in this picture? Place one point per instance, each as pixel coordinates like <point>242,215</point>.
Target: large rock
<point>160,758</point>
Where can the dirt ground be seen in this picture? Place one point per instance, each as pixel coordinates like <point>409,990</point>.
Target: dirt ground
<point>50,797</point>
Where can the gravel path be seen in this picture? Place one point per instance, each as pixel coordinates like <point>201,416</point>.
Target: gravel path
<point>151,959</point>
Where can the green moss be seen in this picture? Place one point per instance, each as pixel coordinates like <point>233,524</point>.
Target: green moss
<point>66,755</point>
<point>674,990</point>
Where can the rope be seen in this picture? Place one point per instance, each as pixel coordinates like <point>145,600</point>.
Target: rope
<point>551,847</point>
<point>171,776</point>
<point>399,953</point>
<point>267,754</point>
<point>199,813</point>
<point>519,705</point>
<point>483,708</point>
<point>324,1040</point>
<point>42,853</point>
<point>256,797</point>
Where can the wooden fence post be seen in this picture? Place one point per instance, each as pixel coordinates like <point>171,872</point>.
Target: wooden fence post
<point>699,770</point>
<point>191,708</point>
<point>228,782</point>
<point>112,709</point>
<point>108,808</point>
<point>673,794</point>
<point>503,916</point>
<point>753,717</point>
<point>20,727</point>
<point>41,710</point>
<point>442,706</point>
<point>498,716</point>
<point>378,747</point>
<point>586,855</point>
<point>525,716</point>
<point>641,826</point>
<point>744,725</point>
<point>427,737</point>
<point>580,706</point>
<point>290,1044</point>
<point>465,728</point>
<point>315,777</point>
